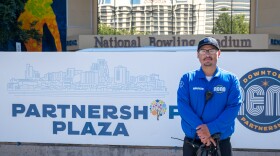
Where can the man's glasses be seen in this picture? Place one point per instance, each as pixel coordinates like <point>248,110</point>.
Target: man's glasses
<point>210,51</point>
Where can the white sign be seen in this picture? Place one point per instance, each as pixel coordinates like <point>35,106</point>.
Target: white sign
<point>18,46</point>
<point>116,98</point>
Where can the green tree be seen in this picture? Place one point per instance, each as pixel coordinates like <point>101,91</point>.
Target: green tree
<point>223,24</point>
<point>10,28</point>
<point>239,25</point>
<point>104,29</point>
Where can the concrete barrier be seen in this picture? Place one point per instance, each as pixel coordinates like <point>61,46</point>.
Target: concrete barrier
<point>33,149</point>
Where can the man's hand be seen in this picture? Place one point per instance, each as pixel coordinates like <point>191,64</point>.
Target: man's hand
<point>204,135</point>
<point>208,141</point>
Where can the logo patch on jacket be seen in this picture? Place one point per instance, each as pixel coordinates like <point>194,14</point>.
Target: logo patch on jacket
<point>219,89</point>
<point>181,84</point>
<point>198,88</point>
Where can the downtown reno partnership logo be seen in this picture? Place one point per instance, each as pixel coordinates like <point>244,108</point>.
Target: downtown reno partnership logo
<point>260,109</point>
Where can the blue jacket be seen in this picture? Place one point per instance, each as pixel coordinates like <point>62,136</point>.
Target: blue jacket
<point>219,112</point>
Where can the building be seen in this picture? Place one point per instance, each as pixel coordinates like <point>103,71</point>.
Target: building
<point>265,17</point>
<point>169,17</point>
<point>231,7</point>
<point>154,17</point>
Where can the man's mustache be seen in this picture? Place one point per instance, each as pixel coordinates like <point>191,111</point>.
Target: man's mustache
<point>209,57</point>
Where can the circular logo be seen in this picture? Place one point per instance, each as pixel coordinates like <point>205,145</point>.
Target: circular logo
<point>260,109</point>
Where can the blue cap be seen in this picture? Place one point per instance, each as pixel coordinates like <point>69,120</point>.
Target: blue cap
<point>208,41</point>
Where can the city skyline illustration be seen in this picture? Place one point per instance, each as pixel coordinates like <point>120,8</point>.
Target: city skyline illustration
<point>96,81</point>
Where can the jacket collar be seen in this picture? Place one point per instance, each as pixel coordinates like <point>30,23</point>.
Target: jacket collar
<point>201,74</point>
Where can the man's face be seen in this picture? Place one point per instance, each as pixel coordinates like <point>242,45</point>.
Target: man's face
<point>208,55</point>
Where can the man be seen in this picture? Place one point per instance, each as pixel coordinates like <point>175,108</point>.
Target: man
<point>208,102</point>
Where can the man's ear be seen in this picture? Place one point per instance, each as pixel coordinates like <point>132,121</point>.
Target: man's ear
<point>219,53</point>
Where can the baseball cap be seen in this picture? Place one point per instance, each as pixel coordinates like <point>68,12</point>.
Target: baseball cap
<point>208,41</point>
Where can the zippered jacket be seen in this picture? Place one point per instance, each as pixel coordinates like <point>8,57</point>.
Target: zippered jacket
<point>219,112</point>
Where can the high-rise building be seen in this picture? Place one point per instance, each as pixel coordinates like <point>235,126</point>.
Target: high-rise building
<point>121,75</point>
<point>162,17</point>
<point>166,17</point>
<point>214,8</point>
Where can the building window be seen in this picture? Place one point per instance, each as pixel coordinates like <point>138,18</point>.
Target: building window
<point>135,1</point>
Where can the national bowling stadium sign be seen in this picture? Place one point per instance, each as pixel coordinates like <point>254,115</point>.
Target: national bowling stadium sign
<point>227,42</point>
